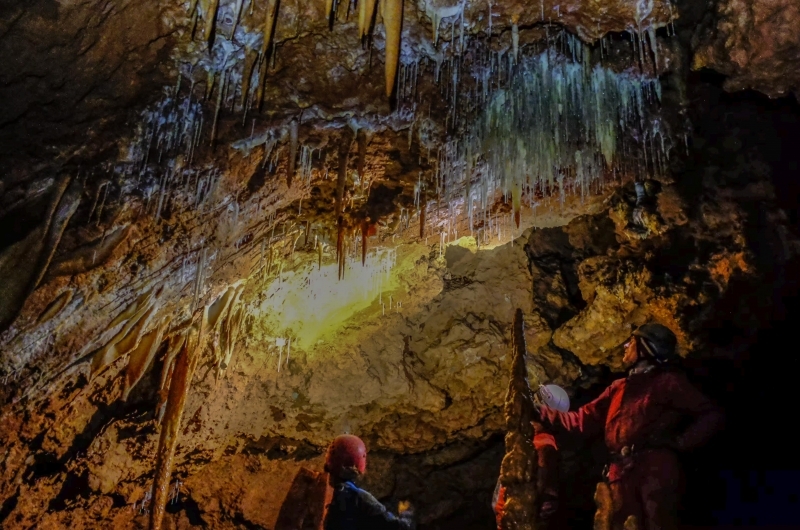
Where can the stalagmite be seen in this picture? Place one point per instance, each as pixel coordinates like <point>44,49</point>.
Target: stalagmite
<point>142,356</point>
<point>392,11</point>
<point>179,384</point>
<point>518,470</point>
<point>293,134</point>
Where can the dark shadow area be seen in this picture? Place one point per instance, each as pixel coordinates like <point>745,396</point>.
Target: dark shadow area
<point>749,475</point>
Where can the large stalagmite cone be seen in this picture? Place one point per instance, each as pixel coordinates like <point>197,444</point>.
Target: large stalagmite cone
<point>393,22</point>
<point>518,470</point>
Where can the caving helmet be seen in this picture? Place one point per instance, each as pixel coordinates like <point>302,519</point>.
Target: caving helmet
<point>657,341</point>
<point>554,397</point>
<point>346,457</point>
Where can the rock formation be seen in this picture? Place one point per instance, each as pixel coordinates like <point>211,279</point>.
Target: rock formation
<point>231,230</point>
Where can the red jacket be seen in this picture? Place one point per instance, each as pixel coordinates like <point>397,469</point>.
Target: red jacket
<point>644,407</point>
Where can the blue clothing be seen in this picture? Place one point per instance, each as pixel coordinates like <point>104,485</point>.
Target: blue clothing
<point>355,509</point>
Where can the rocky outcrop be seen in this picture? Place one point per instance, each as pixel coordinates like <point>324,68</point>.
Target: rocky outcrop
<point>756,45</point>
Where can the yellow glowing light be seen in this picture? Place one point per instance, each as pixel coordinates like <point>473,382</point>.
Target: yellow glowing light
<point>310,302</point>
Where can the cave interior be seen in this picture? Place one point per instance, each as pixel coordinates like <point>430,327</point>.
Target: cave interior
<point>180,179</point>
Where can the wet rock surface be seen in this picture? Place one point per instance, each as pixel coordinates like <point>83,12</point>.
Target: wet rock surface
<point>112,239</point>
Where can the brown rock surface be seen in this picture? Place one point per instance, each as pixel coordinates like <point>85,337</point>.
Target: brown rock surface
<point>756,44</point>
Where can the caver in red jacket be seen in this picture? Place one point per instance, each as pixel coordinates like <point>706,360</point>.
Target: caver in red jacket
<point>642,417</point>
<point>546,480</point>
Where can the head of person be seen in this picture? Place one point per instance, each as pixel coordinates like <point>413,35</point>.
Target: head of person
<point>651,342</point>
<point>346,458</point>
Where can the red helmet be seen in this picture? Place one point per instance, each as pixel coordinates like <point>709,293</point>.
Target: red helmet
<point>346,453</point>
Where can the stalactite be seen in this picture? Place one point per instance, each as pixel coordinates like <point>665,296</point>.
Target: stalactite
<point>142,357</point>
<point>174,345</point>
<point>134,318</point>
<point>269,25</point>
<point>518,469</point>
<point>422,213</point>
<point>366,12</point>
<point>247,74</point>
<point>344,153</point>
<point>393,22</point>
<point>55,307</point>
<point>340,257</point>
<point>237,15</point>
<point>328,10</point>
<point>179,385</point>
<point>210,19</point>
<point>364,235</point>
<point>293,139</point>
<point>229,329</point>
<point>362,153</point>
<point>222,82</point>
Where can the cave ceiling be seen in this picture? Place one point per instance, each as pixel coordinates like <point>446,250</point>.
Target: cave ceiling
<point>350,206</point>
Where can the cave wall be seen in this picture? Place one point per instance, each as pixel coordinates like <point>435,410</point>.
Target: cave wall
<point>93,219</point>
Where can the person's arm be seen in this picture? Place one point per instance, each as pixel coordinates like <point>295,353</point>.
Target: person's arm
<point>588,420</point>
<point>707,417</point>
<point>375,516</point>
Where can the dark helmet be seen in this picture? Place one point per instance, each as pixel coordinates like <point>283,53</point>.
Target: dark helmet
<point>658,341</point>
<point>346,457</point>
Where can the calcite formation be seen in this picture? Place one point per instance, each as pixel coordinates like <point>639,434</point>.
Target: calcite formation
<point>234,229</point>
<point>518,471</point>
